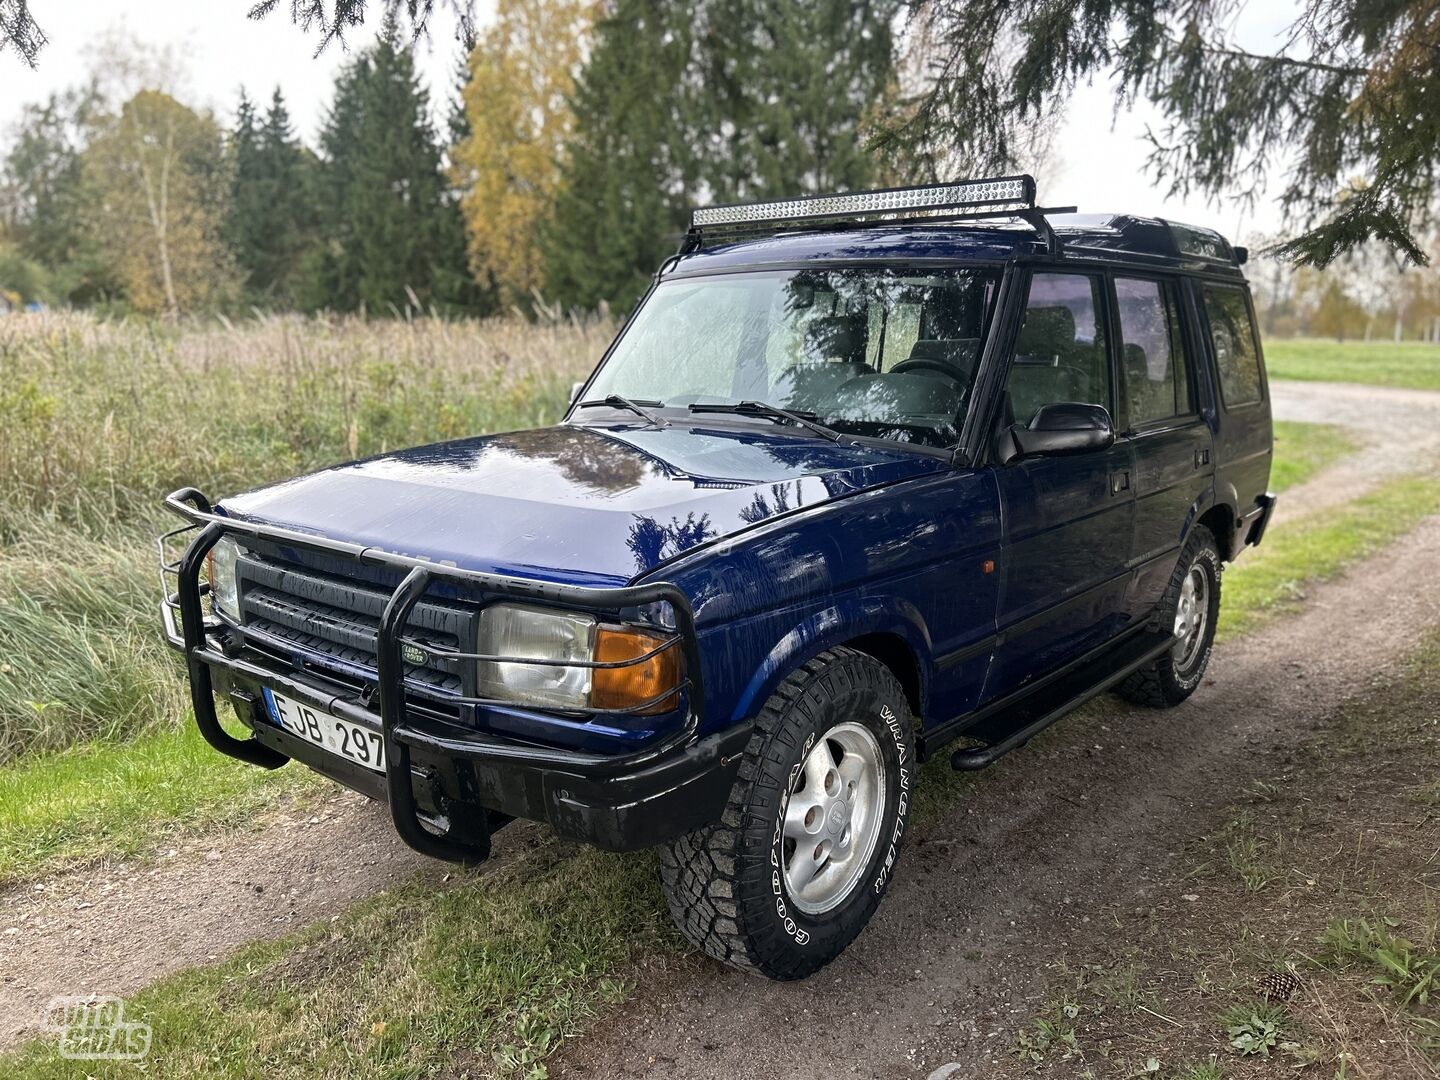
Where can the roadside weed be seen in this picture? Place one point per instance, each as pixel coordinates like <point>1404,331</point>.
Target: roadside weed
<point>1247,856</point>
<point>1254,1028</point>
<point>1055,1031</point>
<point>1411,973</point>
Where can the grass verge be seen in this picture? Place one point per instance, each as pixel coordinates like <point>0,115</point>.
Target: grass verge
<point>1414,365</point>
<point>1272,578</point>
<point>129,798</point>
<point>1302,450</point>
<point>484,977</point>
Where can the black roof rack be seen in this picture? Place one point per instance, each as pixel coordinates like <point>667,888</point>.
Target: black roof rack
<point>986,198</point>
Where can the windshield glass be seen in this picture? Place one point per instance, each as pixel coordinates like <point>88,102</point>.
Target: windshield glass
<point>885,353</point>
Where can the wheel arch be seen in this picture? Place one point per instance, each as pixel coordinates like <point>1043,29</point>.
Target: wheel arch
<point>887,628</point>
<point>1220,520</point>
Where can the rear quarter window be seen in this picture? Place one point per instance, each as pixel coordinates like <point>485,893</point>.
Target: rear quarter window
<point>1237,352</point>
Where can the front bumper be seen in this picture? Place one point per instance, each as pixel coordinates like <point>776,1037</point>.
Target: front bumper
<point>448,785</point>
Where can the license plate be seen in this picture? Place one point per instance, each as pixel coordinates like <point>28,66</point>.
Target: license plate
<point>358,744</point>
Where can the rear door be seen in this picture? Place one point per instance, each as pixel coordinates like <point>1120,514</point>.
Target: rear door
<point>1243,438</point>
<point>1068,519</point>
<point>1170,440</point>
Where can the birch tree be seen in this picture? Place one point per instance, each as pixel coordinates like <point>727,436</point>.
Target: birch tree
<point>157,170</point>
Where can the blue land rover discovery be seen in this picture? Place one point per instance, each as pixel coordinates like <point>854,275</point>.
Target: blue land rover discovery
<point>866,476</point>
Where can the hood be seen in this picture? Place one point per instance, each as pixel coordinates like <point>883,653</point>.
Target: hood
<point>595,505</point>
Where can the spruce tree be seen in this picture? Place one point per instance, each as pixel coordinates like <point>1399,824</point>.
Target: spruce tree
<point>272,206</point>
<point>246,224</point>
<point>692,101</point>
<point>629,166</point>
<point>289,172</point>
<point>800,79</point>
<point>386,209</point>
<point>1340,110</point>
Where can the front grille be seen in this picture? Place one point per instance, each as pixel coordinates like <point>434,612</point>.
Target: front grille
<point>334,623</point>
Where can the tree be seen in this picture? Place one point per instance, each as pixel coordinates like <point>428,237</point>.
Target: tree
<point>43,196</point>
<point>707,100</point>
<point>516,101</point>
<point>19,30</point>
<point>630,166</point>
<point>160,187</point>
<point>388,218</point>
<point>332,19</point>
<point>799,79</point>
<point>1348,109</point>
<point>272,207</point>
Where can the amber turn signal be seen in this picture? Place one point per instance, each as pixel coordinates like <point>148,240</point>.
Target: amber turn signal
<point>631,686</point>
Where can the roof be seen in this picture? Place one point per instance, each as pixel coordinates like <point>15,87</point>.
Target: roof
<point>1118,238</point>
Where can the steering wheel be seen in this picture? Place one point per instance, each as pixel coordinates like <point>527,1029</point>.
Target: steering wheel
<point>938,367</point>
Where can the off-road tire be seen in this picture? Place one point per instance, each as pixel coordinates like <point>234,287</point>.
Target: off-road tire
<point>725,883</point>
<point>1163,682</point>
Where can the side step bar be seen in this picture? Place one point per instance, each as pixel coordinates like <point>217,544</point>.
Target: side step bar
<point>1064,696</point>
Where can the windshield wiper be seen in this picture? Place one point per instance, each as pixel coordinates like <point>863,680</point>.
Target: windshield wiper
<point>770,412</point>
<point>616,401</point>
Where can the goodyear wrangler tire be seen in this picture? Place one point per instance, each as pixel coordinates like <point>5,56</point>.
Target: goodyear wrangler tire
<point>807,845</point>
<point>1190,611</point>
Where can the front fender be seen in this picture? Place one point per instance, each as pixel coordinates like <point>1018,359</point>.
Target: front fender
<point>838,624</point>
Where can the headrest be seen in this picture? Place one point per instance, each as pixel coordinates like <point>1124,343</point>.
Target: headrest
<point>1047,331</point>
<point>1136,362</point>
<point>836,337</point>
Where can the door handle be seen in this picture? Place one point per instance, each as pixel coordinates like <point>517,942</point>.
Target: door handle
<point>1202,457</point>
<point>1119,481</point>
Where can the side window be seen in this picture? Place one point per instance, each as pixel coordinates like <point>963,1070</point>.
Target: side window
<point>1233,335</point>
<point>1157,386</point>
<point>1060,351</point>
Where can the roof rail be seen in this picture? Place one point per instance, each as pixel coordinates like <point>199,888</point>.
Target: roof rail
<point>960,200</point>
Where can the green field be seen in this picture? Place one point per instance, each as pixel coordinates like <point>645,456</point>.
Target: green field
<point>1379,363</point>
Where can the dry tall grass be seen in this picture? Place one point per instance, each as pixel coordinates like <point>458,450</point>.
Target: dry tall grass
<point>99,419</point>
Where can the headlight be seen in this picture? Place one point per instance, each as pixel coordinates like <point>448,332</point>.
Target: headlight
<point>542,634</point>
<point>538,634</point>
<point>224,589</point>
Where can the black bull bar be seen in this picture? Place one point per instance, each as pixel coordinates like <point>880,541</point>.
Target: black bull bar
<point>188,629</point>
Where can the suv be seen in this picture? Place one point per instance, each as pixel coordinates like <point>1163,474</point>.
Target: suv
<point>864,475</point>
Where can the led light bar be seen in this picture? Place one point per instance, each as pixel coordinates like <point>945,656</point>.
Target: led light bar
<point>963,195</point>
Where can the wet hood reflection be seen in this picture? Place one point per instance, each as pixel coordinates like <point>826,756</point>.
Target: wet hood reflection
<point>590,505</point>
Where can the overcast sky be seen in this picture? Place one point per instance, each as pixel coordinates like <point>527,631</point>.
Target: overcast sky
<point>1098,166</point>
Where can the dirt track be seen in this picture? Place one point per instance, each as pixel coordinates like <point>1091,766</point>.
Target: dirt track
<point>1053,831</point>
<point>1079,819</point>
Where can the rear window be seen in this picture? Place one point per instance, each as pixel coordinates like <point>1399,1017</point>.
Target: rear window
<point>1237,355</point>
<point>1157,386</point>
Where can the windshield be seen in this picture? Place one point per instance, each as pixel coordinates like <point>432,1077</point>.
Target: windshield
<point>885,353</point>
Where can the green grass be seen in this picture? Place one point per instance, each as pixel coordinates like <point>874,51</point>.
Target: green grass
<point>489,975</point>
<point>128,798</point>
<point>1302,450</point>
<point>1272,579</point>
<point>1409,364</point>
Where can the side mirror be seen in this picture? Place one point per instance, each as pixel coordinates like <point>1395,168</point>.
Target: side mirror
<point>575,389</point>
<point>1065,427</point>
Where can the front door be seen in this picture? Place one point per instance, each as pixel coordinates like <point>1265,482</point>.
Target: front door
<point>1068,519</point>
